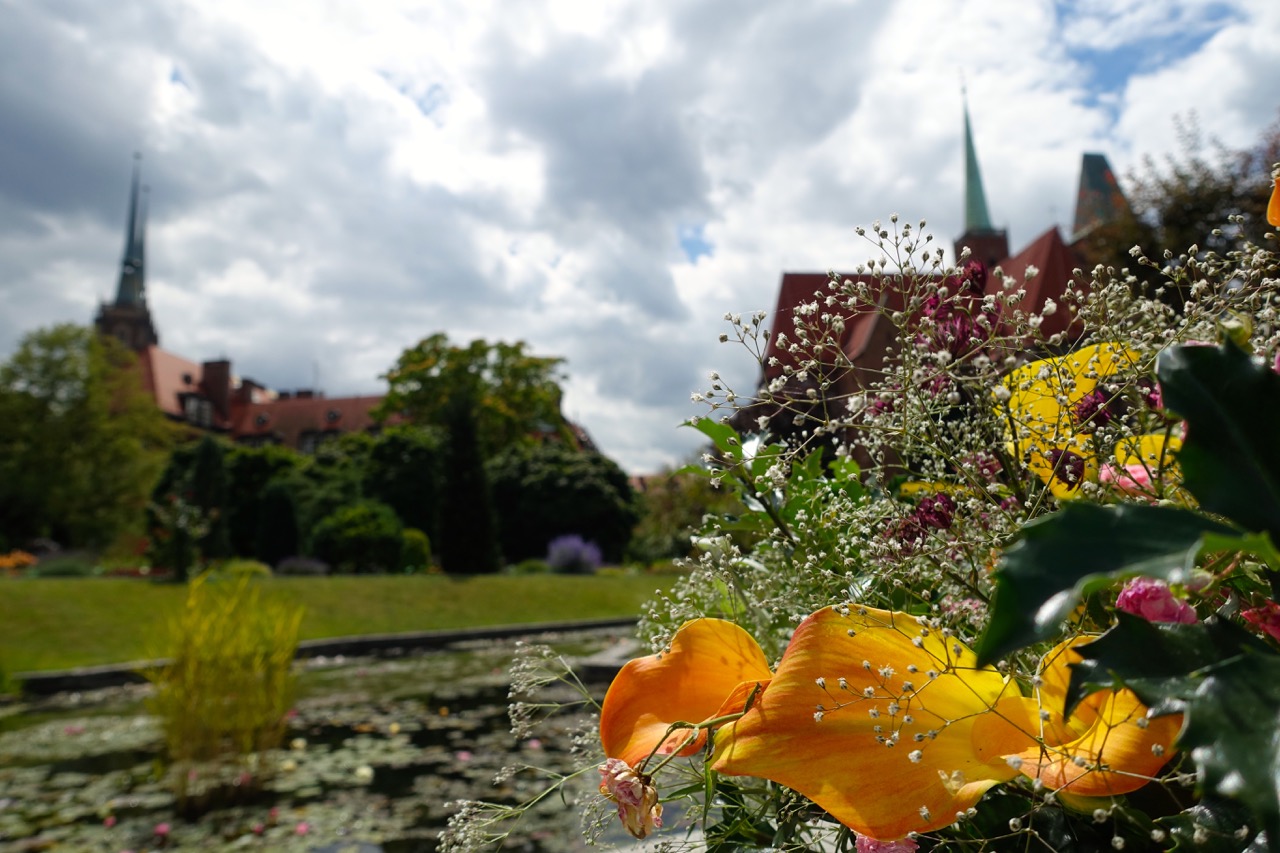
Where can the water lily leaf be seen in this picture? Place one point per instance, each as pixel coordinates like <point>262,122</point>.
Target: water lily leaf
<point>1225,682</point>
<point>1062,557</point>
<point>1230,458</point>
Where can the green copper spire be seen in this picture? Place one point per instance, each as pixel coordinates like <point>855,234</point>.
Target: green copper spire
<point>132,287</point>
<point>976,217</point>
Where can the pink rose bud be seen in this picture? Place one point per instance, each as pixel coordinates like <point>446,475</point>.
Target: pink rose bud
<point>637,799</point>
<point>1155,602</point>
<point>1131,479</point>
<point>1265,619</point>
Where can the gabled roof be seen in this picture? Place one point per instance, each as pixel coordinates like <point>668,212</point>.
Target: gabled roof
<point>1056,262</point>
<point>287,420</point>
<point>169,377</point>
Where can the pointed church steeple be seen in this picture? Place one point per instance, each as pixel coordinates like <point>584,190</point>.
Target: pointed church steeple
<point>128,317</point>
<point>132,287</point>
<point>986,243</point>
<point>1099,200</point>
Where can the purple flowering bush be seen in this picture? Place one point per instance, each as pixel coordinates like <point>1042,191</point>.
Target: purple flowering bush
<point>571,554</point>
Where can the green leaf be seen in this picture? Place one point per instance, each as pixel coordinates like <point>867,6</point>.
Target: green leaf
<point>1225,682</point>
<point>723,436</point>
<point>1062,557</point>
<point>1230,458</point>
<point>1216,822</point>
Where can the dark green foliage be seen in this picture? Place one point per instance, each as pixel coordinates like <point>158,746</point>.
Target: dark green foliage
<point>327,480</point>
<point>1231,459</point>
<point>403,470</point>
<point>415,550</point>
<point>277,523</point>
<point>1062,557</point>
<point>209,492</point>
<point>550,490</point>
<point>360,537</point>
<point>81,442</point>
<point>249,470</point>
<point>672,508</point>
<point>468,541</point>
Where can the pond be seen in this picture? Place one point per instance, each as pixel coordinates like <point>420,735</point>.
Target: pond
<point>376,748</point>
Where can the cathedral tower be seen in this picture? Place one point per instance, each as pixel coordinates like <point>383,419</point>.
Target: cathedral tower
<point>128,318</point>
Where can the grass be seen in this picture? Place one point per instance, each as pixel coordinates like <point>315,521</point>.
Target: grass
<point>61,623</point>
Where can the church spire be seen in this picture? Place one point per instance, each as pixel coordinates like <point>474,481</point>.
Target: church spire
<point>132,288</point>
<point>128,318</point>
<point>985,242</point>
<point>976,217</point>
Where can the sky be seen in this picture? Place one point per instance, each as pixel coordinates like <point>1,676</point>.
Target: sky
<point>331,182</point>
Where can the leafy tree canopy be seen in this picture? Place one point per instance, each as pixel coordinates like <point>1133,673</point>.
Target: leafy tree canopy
<point>81,441</point>
<point>516,394</point>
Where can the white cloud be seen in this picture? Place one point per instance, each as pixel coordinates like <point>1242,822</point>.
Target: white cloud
<point>333,182</point>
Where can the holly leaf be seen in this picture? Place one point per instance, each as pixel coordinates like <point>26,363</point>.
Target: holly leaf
<point>1224,681</point>
<point>1210,827</point>
<point>1060,558</point>
<point>1230,458</point>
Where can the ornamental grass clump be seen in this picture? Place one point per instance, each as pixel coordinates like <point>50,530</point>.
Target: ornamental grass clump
<point>1012,585</point>
<point>223,697</point>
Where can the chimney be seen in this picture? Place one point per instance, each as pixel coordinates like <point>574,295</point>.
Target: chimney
<point>216,384</point>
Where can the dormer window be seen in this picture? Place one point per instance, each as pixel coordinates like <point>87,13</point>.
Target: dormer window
<point>261,419</point>
<point>332,415</point>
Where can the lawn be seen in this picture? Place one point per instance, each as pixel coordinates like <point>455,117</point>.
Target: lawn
<point>59,623</point>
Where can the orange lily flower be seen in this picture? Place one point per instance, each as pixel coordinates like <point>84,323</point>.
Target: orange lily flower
<point>1273,207</point>
<point>880,718</point>
<point>697,679</point>
<point>1108,747</point>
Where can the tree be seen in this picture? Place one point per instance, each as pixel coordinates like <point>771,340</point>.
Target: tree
<point>209,492</point>
<point>403,470</point>
<point>1188,200</point>
<point>81,441</point>
<point>549,490</point>
<point>468,541</point>
<point>278,530</point>
<point>672,510</point>
<point>249,472</point>
<point>516,396</point>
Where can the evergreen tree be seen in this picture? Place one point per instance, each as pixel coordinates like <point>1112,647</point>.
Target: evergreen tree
<point>277,524</point>
<point>468,542</point>
<point>209,491</point>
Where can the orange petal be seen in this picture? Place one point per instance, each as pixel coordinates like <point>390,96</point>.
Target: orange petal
<point>878,719</point>
<point>691,682</point>
<point>1273,207</point>
<point>1107,747</point>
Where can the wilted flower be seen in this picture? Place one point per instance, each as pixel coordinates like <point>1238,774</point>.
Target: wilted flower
<point>634,794</point>
<point>1155,602</point>
<point>867,844</point>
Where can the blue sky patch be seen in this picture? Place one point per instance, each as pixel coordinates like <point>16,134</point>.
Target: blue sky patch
<point>693,242</point>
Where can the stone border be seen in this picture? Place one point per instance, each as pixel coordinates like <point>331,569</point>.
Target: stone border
<point>113,675</point>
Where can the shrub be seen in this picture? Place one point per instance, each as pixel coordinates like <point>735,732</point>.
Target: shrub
<point>572,555</point>
<point>302,566</point>
<point>223,697</point>
<point>237,567</point>
<point>544,491</point>
<point>415,550</point>
<point>68,566</point>
<point>15,561</point>
<point>362,537</point>
<point>532,566</point>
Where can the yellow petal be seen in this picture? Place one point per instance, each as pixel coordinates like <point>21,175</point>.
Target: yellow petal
<point>1273,207</point>
<point>1107,747</point>
<point>878,719</point>
<point>1154,450</point>
<point>691,682</point>
<point>1040,410</point>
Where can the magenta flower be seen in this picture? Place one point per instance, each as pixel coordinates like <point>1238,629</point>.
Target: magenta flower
<point>1155,602</point>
